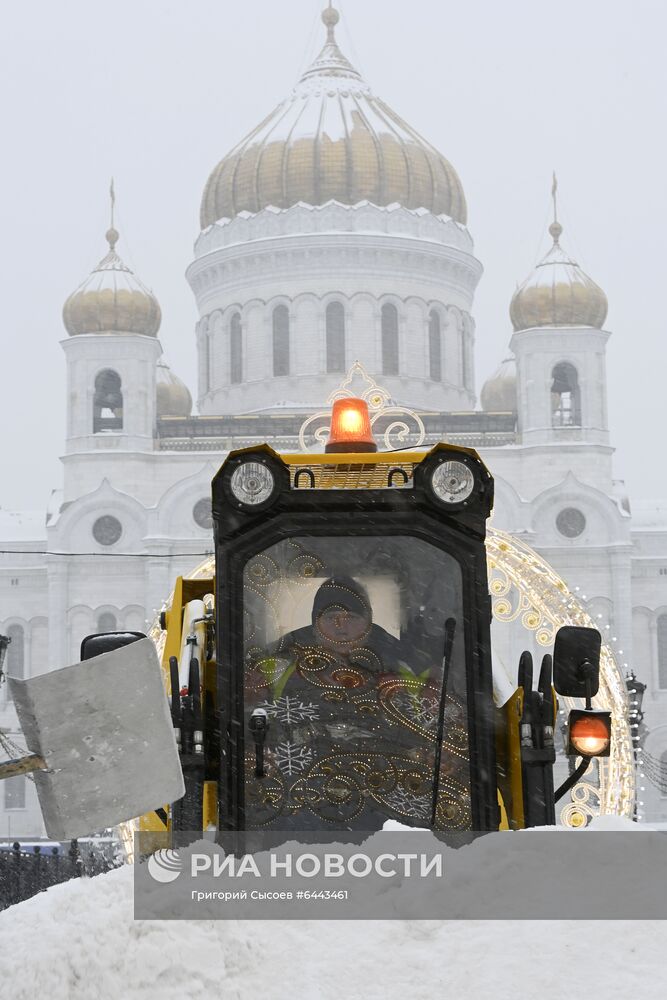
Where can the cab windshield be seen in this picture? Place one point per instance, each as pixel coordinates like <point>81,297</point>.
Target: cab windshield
<point>344,644</point>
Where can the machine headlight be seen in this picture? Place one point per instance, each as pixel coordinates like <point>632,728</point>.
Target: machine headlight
<point>452,482</point>
<point>252,483</point>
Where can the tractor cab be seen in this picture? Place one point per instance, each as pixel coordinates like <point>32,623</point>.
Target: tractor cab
<point>354,670</point>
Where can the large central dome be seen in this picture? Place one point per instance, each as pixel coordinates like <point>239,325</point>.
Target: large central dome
<point>332,139</point>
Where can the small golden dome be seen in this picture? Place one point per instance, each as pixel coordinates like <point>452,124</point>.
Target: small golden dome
<point>498,393</point>
<point>112,300</point>
<point>173,397</point>
<point>332,139</point>
<point>558,293</point>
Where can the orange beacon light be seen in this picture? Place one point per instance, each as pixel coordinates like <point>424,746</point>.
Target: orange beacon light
<point>350,427</point>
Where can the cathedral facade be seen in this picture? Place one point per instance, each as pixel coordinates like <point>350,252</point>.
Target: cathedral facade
<point>332,234</point>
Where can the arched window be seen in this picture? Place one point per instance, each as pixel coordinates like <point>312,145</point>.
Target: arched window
<point>235,350</point>
<point>662,651</point>
<point>14,789</point>
<point>107,402</point>
<point>15,659</point>
<point>389,339</point>
<point>434,347</point>
<point>106,622</point>
<point>565,396</point>
<point>335,324</point>
<point>281,340</point>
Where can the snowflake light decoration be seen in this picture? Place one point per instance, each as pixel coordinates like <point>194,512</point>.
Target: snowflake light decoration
<point>288,710</point>
<point>292,758</point>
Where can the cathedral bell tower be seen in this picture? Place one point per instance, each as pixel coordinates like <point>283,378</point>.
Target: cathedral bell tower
<point>112,350</point>
<point>559,345</point>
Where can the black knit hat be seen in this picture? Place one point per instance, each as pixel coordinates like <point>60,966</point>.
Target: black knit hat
<point>342,592</point>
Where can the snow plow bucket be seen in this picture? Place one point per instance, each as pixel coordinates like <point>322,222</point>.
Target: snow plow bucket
<point>104,732</point>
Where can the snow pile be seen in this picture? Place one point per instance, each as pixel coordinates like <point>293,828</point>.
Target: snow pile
<point>78,941</point>
<point>597,825</point>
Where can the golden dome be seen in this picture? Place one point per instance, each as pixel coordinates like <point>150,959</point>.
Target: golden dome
<point>332,139</point>
<point>172,396</point>
<point>498,393</point>
<point>558,293</point>
<point>112,300</point>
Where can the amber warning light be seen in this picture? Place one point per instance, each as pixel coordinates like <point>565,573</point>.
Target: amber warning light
<point>350,427</point>
<point>589,733</point>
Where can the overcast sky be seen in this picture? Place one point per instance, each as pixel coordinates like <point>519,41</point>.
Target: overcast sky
<point>155,93</point>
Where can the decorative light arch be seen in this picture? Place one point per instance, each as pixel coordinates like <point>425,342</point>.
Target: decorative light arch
<point>525,588</point>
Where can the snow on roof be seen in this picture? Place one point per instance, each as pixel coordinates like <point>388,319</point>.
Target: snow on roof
<point>79,940</point>
<point>22,525</point>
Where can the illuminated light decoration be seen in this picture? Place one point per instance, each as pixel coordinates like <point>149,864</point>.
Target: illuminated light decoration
<point>526,589</point>
<point>350,427</point>
<point>590,733</point>
<point>393,426</point>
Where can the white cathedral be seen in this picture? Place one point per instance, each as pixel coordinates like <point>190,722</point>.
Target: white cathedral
<point>332,233</point>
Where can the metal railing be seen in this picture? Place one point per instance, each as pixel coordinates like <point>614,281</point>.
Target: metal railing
<point>27,870</point>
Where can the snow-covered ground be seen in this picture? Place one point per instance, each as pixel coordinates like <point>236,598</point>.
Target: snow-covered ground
<point>78,941</point>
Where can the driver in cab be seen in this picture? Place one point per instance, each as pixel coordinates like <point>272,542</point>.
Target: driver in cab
<point>342,636</point>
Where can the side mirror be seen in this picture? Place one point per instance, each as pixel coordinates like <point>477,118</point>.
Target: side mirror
<point>577,662</point>
<point>105,642</point>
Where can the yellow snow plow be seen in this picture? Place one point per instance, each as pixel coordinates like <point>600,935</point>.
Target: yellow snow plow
<point>335,672</point>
